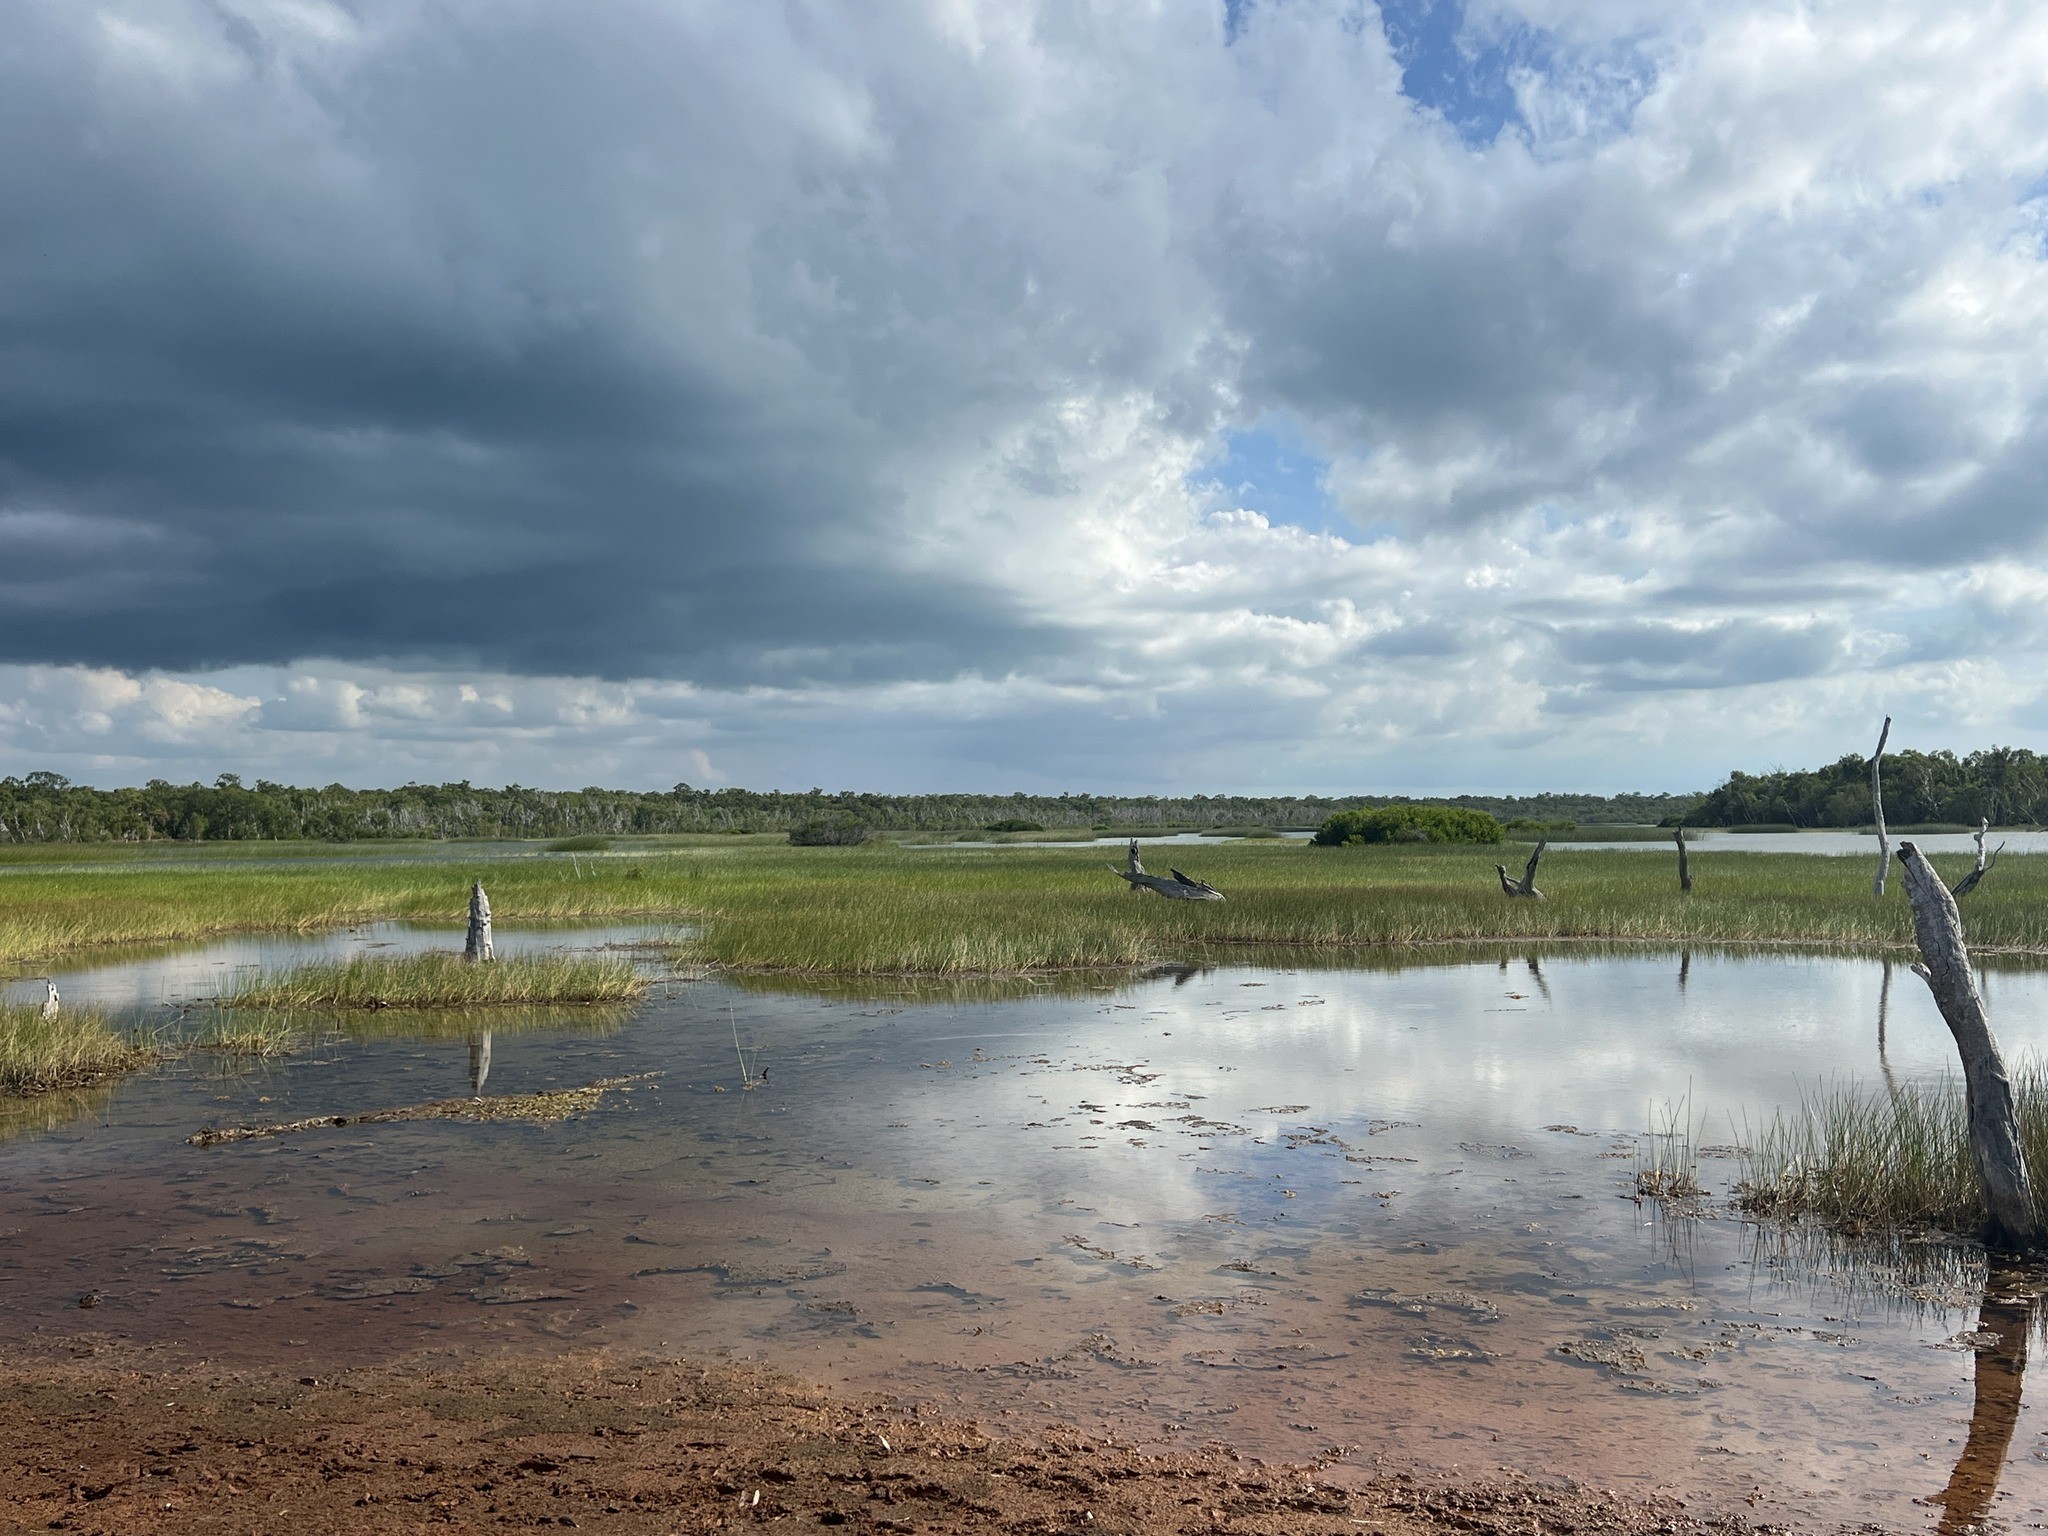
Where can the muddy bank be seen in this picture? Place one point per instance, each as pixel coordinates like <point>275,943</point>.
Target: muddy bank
<point>114,1439</point>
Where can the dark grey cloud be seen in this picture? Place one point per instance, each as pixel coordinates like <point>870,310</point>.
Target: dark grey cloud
<point>587,342</point>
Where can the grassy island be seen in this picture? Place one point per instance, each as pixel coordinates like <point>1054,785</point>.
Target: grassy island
<point>74,1050</point>
<point>442,980</point>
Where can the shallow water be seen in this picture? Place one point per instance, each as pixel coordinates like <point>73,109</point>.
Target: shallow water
<point>1358,1212</point>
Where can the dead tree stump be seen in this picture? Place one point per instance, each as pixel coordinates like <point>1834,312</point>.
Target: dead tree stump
<point>1179,888</point>
<point>50,1001</point>
<point>1526,886</point>
<point>1968,883</point>
<point>1994,1125</point>
<point>479,945</point>
<point>1684,869</point>
<point>1884,847</point>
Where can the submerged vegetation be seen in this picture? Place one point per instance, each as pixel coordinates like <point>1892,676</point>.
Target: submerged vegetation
<point>73,1050</point>
<point>442,980</point>
<point>1899,1156</point>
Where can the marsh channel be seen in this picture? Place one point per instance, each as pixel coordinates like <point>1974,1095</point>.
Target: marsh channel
<point>1381,1214</point>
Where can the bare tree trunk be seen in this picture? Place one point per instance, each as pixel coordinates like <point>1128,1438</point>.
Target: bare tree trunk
<point>1884,846</point>
<point>50,1001</point>
<point>1526,886</point>
<point>1994,1126</point>
<point>1968,883</point>
<point>1684,870</point>
<point>479,945</point>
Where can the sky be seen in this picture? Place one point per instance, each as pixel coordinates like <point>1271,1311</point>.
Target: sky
<point>1251,396</point>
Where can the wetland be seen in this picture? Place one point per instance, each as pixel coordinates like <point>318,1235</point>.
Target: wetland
<point>1360,1210</point>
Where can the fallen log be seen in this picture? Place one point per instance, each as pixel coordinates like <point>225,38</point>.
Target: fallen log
<point>1526,886</point>
<point>1994,1125</point>
<point>1179,888</point>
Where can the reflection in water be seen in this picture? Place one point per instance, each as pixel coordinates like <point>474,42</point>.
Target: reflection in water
<point>1684,969</point>
<point>479,1062</point>
<point>1884,1015</point>
<point>2011,1298</point>
<point>46,1112</point>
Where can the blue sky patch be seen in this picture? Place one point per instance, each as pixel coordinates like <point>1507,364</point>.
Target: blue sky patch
<point>1271,469</point>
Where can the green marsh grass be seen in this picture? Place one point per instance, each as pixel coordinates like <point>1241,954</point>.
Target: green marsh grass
<point>254,1035</point>
<point>75,1049</point>
<point>882,908</point>
<point>1860,1157</point>
<point>441,980</point>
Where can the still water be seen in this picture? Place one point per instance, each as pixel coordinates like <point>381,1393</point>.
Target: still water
<point>1364,1213</point>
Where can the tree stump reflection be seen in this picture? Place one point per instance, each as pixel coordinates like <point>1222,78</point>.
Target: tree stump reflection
<point>2011,1297</point>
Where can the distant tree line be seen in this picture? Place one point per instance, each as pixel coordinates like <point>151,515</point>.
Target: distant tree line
<point>2007,785</point>
<point>47,807</point>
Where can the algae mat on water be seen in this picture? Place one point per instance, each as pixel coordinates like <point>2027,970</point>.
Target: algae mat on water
<point>532,1108</point>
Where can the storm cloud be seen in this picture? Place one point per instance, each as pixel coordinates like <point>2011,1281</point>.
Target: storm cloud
<point>519,390</point>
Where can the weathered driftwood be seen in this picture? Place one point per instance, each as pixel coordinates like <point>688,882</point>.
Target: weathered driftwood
<point>1526,886</point>
<point>1684,869</point>
<point>479,1062</point>
<point>479,945</point>
<point>1968,883</point>
<point>1994,1125</point>
<point>51,1002</point>
<point>1178,888</point>
<point>1884,846</point>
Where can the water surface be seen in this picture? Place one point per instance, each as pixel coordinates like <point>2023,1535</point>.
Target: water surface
<point>1359,1212</point>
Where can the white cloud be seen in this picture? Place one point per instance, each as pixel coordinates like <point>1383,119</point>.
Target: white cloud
<point>771,393</point>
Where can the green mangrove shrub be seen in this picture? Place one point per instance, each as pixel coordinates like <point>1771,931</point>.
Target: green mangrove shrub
<point>828,832</point>
<point>1408,824</point>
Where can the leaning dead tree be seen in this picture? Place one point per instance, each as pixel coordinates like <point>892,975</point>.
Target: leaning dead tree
<point>1179,888</point>
<point>1884,847</point>
<point>1526,886</point>
<point>479,945</point>
<point>1968,883</point>
<point>1684,869</point>
<point>1994,1124</point>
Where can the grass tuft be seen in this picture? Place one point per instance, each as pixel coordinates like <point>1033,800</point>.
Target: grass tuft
<point>248,1034</point>
<point>442,980</point>
<point>73,1050</point>
<point>1858,1158</point>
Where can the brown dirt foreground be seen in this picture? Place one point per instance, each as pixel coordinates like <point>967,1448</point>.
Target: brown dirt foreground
<point>121,1441</point>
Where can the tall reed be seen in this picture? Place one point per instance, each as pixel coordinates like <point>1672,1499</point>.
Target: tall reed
<point>1887,1157</point>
